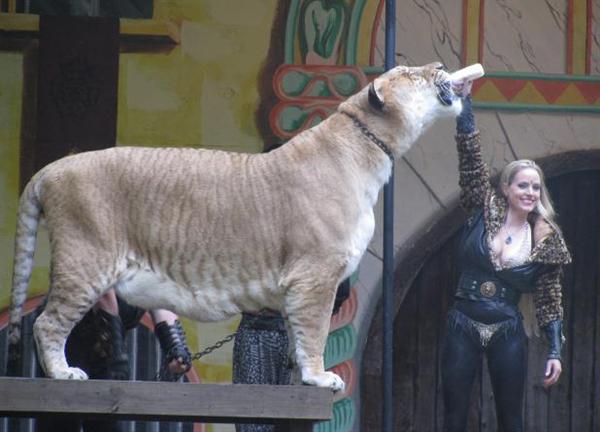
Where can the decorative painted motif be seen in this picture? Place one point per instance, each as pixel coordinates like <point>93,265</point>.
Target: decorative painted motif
<point>322,35</point>
<point>346,313</point>
<point>321,27</point>
<point>340,346</point>
<point>537,92</point>
<point>347,371</point>
<point>309,94</point>
<point>344,414</point>
<point>532,91</point>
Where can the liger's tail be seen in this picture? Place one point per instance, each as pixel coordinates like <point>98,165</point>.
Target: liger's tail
<point>28,218</point>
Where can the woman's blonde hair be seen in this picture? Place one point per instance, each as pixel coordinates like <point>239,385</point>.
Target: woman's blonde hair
<point>544,206</point>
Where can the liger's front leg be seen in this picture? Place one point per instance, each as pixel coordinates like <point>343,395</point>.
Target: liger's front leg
<point>309,313</point>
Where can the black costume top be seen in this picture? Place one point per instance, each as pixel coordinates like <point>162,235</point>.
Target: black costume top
<point>497,292</point>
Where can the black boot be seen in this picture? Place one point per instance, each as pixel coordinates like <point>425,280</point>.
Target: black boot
<point>109,353</point>
<point>174,347</point>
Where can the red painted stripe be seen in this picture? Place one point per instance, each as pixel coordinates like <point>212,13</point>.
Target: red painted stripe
<point>28,307</point>
<point>346,313</point>
<point>347,372</point>
<point>376,24</point>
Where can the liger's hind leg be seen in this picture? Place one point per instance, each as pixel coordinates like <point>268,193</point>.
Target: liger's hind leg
<point>308,306</point>
<point>67,304</point>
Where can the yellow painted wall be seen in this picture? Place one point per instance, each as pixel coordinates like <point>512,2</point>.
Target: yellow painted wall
<point>10,129</point>
<point>203,92</point>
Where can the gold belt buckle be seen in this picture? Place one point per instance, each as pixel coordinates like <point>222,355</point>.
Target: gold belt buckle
<point>487,289</point>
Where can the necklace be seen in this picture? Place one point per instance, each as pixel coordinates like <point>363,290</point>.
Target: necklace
<point>509,238</point>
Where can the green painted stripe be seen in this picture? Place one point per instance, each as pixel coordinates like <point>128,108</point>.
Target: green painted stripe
<point>540,76</point>
<point>340,346</point>
<point>373,70</point>
<point>290,31</point>
<point>343,417</point>
<point>376,70</point>
<point>352,39</point>
<point>537,107</point>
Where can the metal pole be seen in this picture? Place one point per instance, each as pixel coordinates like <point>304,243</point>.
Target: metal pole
<point>388,248</point>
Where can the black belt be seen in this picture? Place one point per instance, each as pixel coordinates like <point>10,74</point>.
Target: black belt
<point>482,286</point>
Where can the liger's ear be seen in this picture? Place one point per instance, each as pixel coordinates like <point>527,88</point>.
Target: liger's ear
<point>375,99</point>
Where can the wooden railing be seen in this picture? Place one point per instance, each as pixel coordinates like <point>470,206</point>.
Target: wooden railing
<point>296,408</point>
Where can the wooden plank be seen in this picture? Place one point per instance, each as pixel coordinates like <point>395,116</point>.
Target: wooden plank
<point>595,344</point>
<point>405,363</point>
<point>582,376</point>
<point>448,281</point>
<point>536,398</point>
<point>428,295</point>
<point>558,405</point>
<point>164,400</point>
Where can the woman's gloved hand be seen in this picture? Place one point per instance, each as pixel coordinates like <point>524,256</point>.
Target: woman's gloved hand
<point>553,332</point>
<point>465,122</point>
<point>177,357</point>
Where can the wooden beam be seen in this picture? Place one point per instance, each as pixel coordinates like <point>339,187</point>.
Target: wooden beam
<point>131,29</point>
<point>297,405</point>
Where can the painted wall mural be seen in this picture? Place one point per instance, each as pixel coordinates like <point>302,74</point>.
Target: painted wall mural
<point>191,90</point>
<point>212,76</point>
<point>323,65</point>
<point>574,90</point>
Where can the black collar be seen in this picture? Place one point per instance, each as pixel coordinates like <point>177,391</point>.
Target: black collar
<point>365,130</point>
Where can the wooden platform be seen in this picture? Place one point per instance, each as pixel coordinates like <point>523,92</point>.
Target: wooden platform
<point>296,406</point>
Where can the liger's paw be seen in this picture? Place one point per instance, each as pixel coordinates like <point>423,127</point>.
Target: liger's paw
<point>325,379</point>
<point>71,373</point>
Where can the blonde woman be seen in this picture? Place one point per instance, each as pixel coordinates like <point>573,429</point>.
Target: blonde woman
<point>510,247</point>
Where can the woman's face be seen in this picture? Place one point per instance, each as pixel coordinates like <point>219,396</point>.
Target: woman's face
<point>524,191</point>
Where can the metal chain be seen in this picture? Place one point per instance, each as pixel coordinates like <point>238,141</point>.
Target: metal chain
<point>161,372</point>
<point>163,369</point>
<point>365,130</point>
<point>216,346</point>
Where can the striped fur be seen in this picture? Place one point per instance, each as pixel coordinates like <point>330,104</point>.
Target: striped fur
<point>208,234</point>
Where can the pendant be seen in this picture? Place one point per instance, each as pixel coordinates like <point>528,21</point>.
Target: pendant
<point>508,240</point>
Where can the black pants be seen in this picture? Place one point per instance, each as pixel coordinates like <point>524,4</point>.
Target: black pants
<point>506,353</point>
